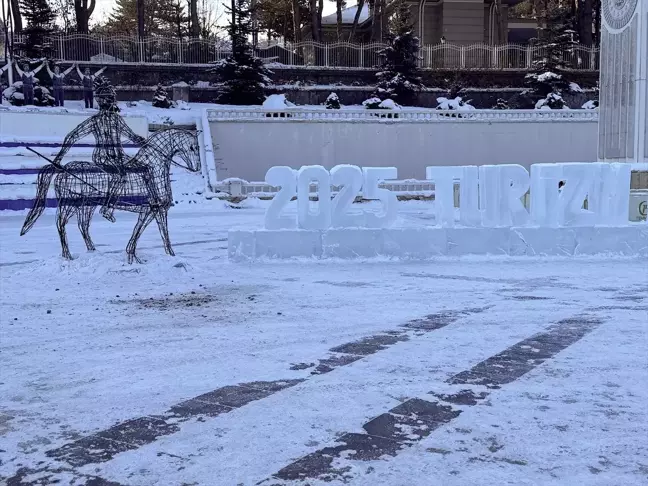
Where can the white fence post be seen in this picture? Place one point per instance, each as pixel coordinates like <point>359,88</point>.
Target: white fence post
<point>463,56</point>
<point>529,56</point>
<point>362,48</point>
<point>593,52</point>
<point>180,51</point>
<point>61,48</point>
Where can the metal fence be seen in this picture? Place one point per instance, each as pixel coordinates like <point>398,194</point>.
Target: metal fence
<point>166,50</point>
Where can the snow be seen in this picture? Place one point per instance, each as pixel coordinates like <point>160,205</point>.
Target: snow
<point>84,348</point>
<point>548,76</point>
<point>453,104</point>
<point>277,102</point>
<point>575,88</point>
<point>389,104</point>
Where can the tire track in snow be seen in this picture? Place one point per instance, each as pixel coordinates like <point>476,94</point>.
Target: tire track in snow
<point>135,433</point>
<point>415,418</point>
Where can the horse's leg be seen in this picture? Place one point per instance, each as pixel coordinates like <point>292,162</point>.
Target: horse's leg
<point>83,220</point>
<point>63,214</point>
<point>163,226</point>
<point>143,221</point>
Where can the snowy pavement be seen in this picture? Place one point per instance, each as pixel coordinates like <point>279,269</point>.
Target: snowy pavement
<point>195,371</point>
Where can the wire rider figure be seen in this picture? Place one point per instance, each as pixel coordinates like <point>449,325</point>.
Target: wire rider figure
<point>58,83</point>
<point>27,76</point>
<point>108,128</point>
<point>88,84</point>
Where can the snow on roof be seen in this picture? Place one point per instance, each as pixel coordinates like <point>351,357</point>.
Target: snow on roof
<point>348,14</point>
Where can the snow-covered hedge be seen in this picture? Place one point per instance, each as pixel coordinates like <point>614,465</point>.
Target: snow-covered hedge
<point>14,94</point>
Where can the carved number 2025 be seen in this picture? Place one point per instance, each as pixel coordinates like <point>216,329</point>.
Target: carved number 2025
<point>325,213</point>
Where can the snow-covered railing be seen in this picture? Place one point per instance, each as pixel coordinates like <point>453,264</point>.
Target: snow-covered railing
<point>170,50</point>
<point>406,115</point>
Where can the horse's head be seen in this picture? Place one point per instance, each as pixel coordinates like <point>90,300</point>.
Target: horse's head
<point>185,144</point>
<point>175,145</point>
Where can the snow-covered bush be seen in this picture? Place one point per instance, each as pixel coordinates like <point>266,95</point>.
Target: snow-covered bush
<point>14,94</point>
<point>161,98</point>
<point>182,104</point>
<point>332,102</point>
<point>387,105</point>
<point>398,78</point>
<point>457,104</point>
<point>277,102</point>
<point>553,101</point>
<point>372,103</point>
<point>501,105</point>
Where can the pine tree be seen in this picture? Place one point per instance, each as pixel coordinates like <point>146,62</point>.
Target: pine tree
<point>399,79</point>
<point>161,17</point>
<point>243,77</point>
<point>40,22</point>
<point>161,98</point>
<point>547,82</point>
<point>332,102</point>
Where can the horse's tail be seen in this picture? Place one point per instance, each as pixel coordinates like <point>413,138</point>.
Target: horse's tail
<point>44,180</point>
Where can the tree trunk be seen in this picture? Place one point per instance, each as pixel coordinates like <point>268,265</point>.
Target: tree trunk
<point>596,7</point>
<point>338,18</point>
<point>320,10</point>
<point>376,20</point>
<point>296,21</point>
<point>140,19</point>
<point>499,39</point>
<point>194,29</point>
<point>15,15</point>
<point>315,30</point>
<point>356,20</point>
<point>586,21</point>
<point>82,12</point>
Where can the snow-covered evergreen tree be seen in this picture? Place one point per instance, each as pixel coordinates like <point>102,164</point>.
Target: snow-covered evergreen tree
<point>244,78</point>
<point>332,102</point>
<point>399,77</point>
<point>161,98</point>
<point>40,22</point>
<point>547,82</point>
<point>501,105</point>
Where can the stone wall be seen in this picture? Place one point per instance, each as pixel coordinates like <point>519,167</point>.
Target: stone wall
<point>311,86</point>
<point>150,75</point>
<point>485,98</point>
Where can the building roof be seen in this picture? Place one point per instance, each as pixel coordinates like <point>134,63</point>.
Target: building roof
<point>348,14</point>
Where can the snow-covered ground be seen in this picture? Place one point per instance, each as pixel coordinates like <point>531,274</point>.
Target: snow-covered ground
<point>99,359</point>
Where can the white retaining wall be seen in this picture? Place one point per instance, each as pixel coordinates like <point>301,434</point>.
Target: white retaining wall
<point>52,125</point>
<point>247,142</point>
<point>44,131</point>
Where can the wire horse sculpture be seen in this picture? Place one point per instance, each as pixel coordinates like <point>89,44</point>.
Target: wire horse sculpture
<point>141,185</point>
